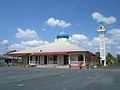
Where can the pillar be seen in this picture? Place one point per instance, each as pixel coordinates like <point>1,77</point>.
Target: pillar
<point>84,58</point>
<point>29,59</point>
<point>69,58</point>
<point>58,59</point>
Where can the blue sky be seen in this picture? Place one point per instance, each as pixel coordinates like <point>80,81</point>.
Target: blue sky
<point>29,17</point>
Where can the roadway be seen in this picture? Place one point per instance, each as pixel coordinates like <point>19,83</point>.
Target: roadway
<point>24,78</point>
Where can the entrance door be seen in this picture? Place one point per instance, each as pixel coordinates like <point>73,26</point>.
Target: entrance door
<point>45,59</point>
<point>55,59</point>
<point>66,60</point>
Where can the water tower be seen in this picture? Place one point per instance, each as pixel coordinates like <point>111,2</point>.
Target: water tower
<point>101,30</point>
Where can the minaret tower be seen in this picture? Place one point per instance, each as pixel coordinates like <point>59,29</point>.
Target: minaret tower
<point>101,30</point>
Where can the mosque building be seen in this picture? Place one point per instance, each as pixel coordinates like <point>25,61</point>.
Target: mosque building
<point>58,53</point>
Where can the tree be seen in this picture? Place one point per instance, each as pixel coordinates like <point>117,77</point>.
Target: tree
<point>111,60</point>
<point>118,59</point>
<point>11,51</point>
<point>97,53</point>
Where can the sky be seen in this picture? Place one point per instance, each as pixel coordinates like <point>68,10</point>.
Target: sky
<point>30,23</point>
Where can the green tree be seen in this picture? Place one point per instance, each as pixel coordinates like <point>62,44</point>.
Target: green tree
<point>97,53</point>
<point>111,60</point>
<point>10,52</point>
<point>118,59</point>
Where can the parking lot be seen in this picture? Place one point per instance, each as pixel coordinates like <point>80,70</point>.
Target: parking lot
<point>24,78</point>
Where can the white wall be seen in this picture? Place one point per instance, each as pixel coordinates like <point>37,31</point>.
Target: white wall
<point>61,59</point>
<point>42,59</point>
<point>25,59</point>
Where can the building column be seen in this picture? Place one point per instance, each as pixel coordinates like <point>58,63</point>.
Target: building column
<point>69,58</point>
<point>37,60</point>
<point>29,59</point>
<point>58,59</point>
<point>47,60</point>
<point>84,58</point>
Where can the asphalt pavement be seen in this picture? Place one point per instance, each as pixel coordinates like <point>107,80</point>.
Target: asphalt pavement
<point>24,78</point>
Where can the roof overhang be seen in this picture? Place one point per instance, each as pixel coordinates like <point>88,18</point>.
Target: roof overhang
<point>39,53</point>
<point>77,51</point>
<point>19,54</point>
<point>45,53</point>
<point>50,53</point>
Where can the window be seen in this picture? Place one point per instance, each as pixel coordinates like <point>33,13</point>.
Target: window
<point>55,58</point>
<point>36,58</point>
<point>80,58</point>
<point>30,58</point>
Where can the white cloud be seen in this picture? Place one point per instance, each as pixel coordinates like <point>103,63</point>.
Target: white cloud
<point>29,39</point>
<point>95,41</point>
<point>80,40</point>
<point>43,29</point>
<point>118,47</point>
<point>90,45</point>
<point>26,34</point>
<point>17,47</point>
<point>110,41</point>
<point>4,42</point>
<point>99,17</point>
<point>118,52</point>
<point>27,44</point>
<point>114,32</point>
<point>78,37</point>
<point>34,42</point>
<point>56,22</point>
<point>114,35</point>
